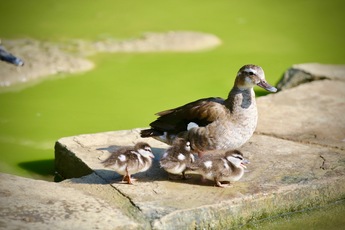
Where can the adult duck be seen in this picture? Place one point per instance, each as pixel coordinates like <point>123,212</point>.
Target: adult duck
<point>214,123</point>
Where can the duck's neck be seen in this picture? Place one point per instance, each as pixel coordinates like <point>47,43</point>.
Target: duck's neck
<point>240,100</point>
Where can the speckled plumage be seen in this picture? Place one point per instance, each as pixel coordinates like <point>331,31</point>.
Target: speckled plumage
<point>130,160</point>
<point>218,124</point>
<point>221,167</point>
<point>177,158</point>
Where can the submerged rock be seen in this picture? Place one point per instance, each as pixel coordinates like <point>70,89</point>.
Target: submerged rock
<point>307,72</point>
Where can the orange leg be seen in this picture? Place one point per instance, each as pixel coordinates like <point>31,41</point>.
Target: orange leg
<point>127,177</point>
<point>219,184</point>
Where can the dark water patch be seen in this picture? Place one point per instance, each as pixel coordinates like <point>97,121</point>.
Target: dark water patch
<point>40,169</point>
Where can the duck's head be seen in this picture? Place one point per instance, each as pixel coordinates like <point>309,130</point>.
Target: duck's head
<point>250,75</point>
<point>236,158</point>
<point>144,149</point>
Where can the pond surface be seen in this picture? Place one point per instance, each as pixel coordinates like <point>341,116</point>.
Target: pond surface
<point>331,217</point>
<point>125,90</point>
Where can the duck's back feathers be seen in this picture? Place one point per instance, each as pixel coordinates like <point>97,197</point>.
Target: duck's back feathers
<point>116,156</point>
<point>201,112</point>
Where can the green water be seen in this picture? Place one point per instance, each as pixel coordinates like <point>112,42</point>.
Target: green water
<point>331,217</point>
<point>125,90</point>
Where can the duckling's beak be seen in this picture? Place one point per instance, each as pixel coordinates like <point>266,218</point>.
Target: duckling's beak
<point>151,155</point>
<point>245,161</point>
<point>263,84</point>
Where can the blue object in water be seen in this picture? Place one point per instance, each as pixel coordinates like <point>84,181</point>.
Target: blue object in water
<point>8,57</point>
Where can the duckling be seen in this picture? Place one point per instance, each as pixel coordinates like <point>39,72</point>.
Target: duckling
<point>214,123</point>
<point>225,167</point>
<point>130,160</point>
<point>9,58</point>
<point>177,158</point>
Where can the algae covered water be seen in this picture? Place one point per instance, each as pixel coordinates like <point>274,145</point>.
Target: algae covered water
<point>331,217</point>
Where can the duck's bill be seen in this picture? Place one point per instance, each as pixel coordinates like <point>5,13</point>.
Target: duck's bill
<point>9,58</point>
<point>266,86</point>
<point>244,162</point>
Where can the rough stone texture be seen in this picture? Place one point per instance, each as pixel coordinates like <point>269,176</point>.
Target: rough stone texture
<point>307,72</point>
<point>29,204</point>
<point>297,160</point>
<point>309,113</point>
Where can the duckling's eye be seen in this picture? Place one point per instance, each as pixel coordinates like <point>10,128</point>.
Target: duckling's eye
<point>148,149</point>
<point>250,73</point>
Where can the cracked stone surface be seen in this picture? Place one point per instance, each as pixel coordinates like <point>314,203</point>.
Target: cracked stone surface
<point>297,160</point>
<point>29,204</point>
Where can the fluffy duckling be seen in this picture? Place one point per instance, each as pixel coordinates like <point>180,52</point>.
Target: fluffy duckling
<point>226,167</point>
<point>130,160</point>
<point>214,123</point>
<point>177,158</point>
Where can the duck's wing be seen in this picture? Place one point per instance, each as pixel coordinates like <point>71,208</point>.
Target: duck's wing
<point>168,162</point>
<point>119,155</point>
<point>201,112</point>
<point>110,160</point>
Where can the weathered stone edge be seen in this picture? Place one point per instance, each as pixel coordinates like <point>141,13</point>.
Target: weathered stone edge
<point>66,160</point>
<point>240,212</point>
<point>111,195</point>
<point>227,213</point>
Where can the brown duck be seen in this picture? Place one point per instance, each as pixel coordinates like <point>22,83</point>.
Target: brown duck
<point>214,123</point>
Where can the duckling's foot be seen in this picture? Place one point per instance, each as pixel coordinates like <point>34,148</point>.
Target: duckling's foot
<point>128,179</point>
<point>219,184</point>
<point>185,177</point>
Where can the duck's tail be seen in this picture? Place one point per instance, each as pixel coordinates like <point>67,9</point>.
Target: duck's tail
<point>150,133</point>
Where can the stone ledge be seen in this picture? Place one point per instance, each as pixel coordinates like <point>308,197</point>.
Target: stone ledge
<point>297,175</point>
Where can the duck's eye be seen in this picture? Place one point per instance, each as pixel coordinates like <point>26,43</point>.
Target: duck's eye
<point>238,157</point>
<point>250,73</point>
<point>148,149</point>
